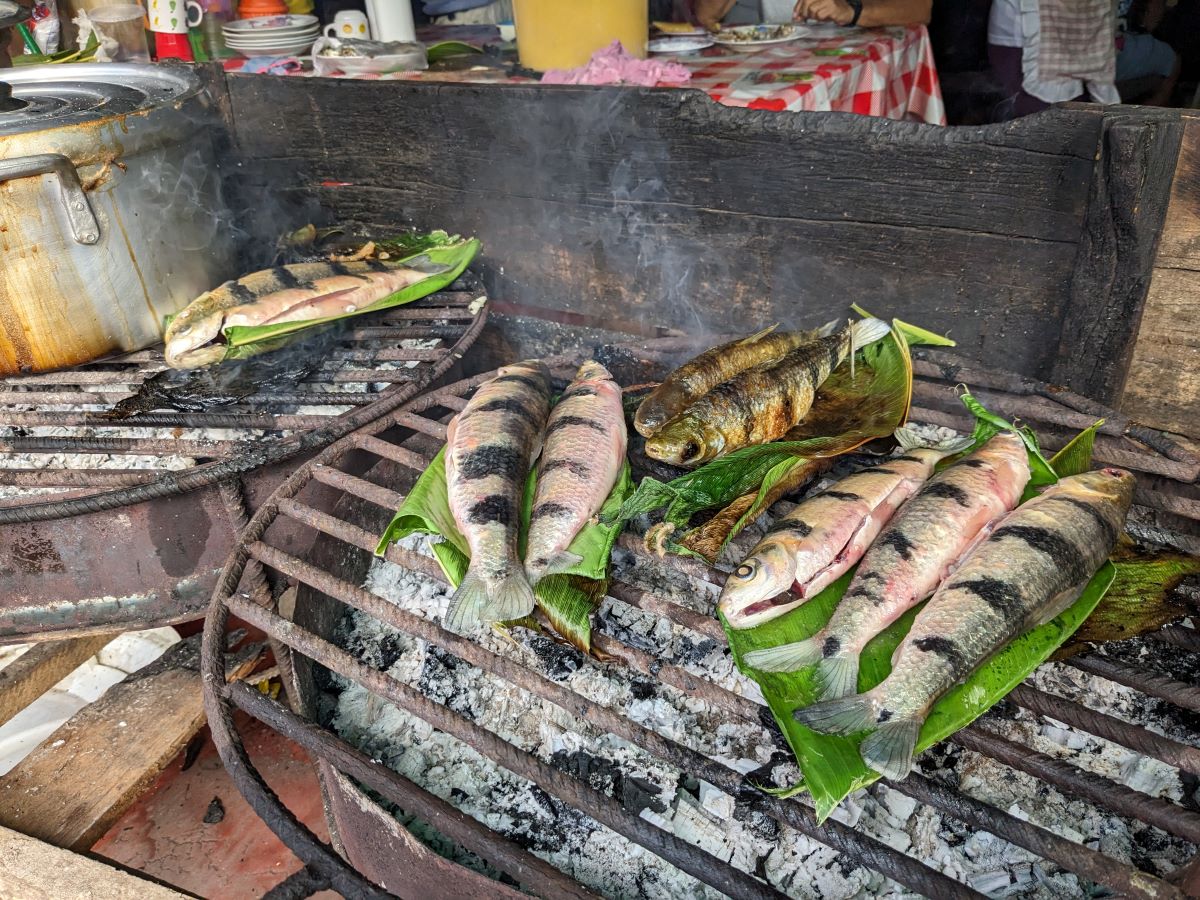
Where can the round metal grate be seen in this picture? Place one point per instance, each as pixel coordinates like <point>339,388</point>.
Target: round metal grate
<point>363,471</point>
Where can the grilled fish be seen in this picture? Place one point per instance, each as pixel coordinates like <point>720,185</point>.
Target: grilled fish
<point>698,376</point>
<point>759,404</point>
<point>582,455</point>
<point>295,293</point>
<point>819,540</point>
<point>953,512</point>
<point>1031,568</point>
<point>490,447</point>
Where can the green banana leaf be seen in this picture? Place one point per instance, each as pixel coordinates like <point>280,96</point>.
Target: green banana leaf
<point>850,411</point>
<point>831,764</point>
<point>446,49</point>
<point>446,261</point>
<point>567,599</point>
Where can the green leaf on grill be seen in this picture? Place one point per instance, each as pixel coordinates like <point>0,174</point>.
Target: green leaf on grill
<point>567,600</point>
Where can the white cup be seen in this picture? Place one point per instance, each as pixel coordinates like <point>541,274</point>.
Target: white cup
<point>174,16</point>
<point>349,23</point>
<point>391,20</point>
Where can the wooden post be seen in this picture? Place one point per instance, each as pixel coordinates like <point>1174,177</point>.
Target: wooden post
<point>1163,385</point>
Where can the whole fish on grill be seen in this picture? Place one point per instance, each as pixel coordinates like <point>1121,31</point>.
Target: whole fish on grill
<point>1032,567</point>
<point>583,451</point>
<point>952,513</point>
<point>698,376</point>
<point>490,447</point>
<point>759,404</point>
<point>819,540</point>
<point>295,293</point>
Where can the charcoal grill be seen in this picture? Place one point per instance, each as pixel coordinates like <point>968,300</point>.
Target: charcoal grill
<point>85,497</point>
<point>347,493</point>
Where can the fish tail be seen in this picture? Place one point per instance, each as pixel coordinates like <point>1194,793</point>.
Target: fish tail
<point>868,331</point>
<point>908,439</point>
<point>787,657</point>
<point>475,603</point>
<point>889,749</point>
<point>838,676</point>
<point>538,569</point>
<point>847,715</point>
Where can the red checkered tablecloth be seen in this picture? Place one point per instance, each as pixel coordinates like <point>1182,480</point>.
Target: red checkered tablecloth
<point>876,72</point>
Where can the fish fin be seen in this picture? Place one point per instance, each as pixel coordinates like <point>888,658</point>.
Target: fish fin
<point>889,749</point>
<point>847,715</point>
<point>511,599</point>
<point>555,565</point>
<point>868,331</point>
<point>1058,605</point>
<point>908,439</point>
<point>786,657</point>
<point>468,604</point>
<point>838,676</point>
<point>758,336</point>
<point>829,328</point>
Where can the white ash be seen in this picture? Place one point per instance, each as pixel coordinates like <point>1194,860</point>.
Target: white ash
<point>702,814</point>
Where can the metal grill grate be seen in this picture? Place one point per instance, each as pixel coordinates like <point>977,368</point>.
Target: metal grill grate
<point>1167,508</point>
<point>59,458</point>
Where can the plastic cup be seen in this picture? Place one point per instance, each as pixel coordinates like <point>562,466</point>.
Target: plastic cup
<point>123,24</point>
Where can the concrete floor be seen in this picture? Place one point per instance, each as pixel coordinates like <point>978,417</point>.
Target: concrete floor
<point>233,855</point>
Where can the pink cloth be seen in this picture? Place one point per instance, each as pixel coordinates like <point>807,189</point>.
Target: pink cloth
<point>613,65</point>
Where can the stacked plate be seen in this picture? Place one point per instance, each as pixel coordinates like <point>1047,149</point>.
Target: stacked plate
<point>272,35</point>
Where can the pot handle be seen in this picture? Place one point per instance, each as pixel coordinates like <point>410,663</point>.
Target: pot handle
<point>79,212</point>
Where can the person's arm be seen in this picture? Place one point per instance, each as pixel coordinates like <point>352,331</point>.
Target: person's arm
<point>874,12</point>
<point>709,13</point>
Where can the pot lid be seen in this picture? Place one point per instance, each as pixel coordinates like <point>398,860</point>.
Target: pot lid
<point>12,13</point>
<point>54,96</point>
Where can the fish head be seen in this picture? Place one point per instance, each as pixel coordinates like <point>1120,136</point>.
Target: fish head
<point>757,589</point>
<point>1113,484</point>
<point>685,441</point>
<point>188,341</point>
<point>651,415</point>
<point>592,371</point>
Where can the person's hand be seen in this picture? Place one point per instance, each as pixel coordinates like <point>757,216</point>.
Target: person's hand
<point>709,13</point>
<point>823,11</point>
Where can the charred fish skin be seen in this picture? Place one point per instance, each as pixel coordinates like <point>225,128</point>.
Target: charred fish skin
<point>913,554</point>
<point>490,447</point>
<point>819,540</point>
<point>582,456</point>
<point>1032,567</point>
<point>294,293</point>
<point>698,376</point>
<point>759,404</point>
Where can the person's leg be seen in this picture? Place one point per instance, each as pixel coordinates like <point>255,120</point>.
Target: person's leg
<point>1006,69</point>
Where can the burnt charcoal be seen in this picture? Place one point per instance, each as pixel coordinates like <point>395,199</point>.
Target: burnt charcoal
<point>199,390</point>
<point>640,689</point>
<point>940,757</point>
<point>604,775</point>
<point>458,795</point>
<point>215,814</point>
<point>693,652</point>
<point>557,660</point>
<point>626,367</point>
<point>443,677</point>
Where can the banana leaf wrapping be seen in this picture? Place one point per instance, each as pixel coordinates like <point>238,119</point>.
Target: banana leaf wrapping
<point>831,765</point>
<point>445,257</point>
<point>567,599</point>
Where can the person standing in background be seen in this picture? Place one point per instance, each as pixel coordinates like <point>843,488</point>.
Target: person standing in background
<point>468,12</point>
<point>867,13</point>
<point>1147,68</point>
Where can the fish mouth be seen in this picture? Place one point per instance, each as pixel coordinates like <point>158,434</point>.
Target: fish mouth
<point>762,610</point>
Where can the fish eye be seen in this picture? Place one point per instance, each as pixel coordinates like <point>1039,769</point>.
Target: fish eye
<point>690,451</point>
<point>745,570</point>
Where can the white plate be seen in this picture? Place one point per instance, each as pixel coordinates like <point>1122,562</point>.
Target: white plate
<point>291,39</point>
<point>270,23</point>
<point>678,44</point>
<point>754,37</point>
<point>302,50</point>
<point>286,32</point>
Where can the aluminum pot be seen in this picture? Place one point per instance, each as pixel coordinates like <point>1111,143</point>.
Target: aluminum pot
<point>111,215</point>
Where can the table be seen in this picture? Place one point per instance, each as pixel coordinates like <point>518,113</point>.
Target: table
<point>876,72</point>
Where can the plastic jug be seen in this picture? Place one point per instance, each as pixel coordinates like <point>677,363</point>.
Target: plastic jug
<point>552,34</point>
<point>391,20</point>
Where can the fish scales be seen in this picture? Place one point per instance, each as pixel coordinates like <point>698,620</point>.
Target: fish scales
<point>294,293</point>
<point>914,553</point>
<point>490,447</point>
<point>760,404</point>
<point>1033,566</point>
<point>582,457</point>
<point>819,540</point>
<point>698,376</point>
